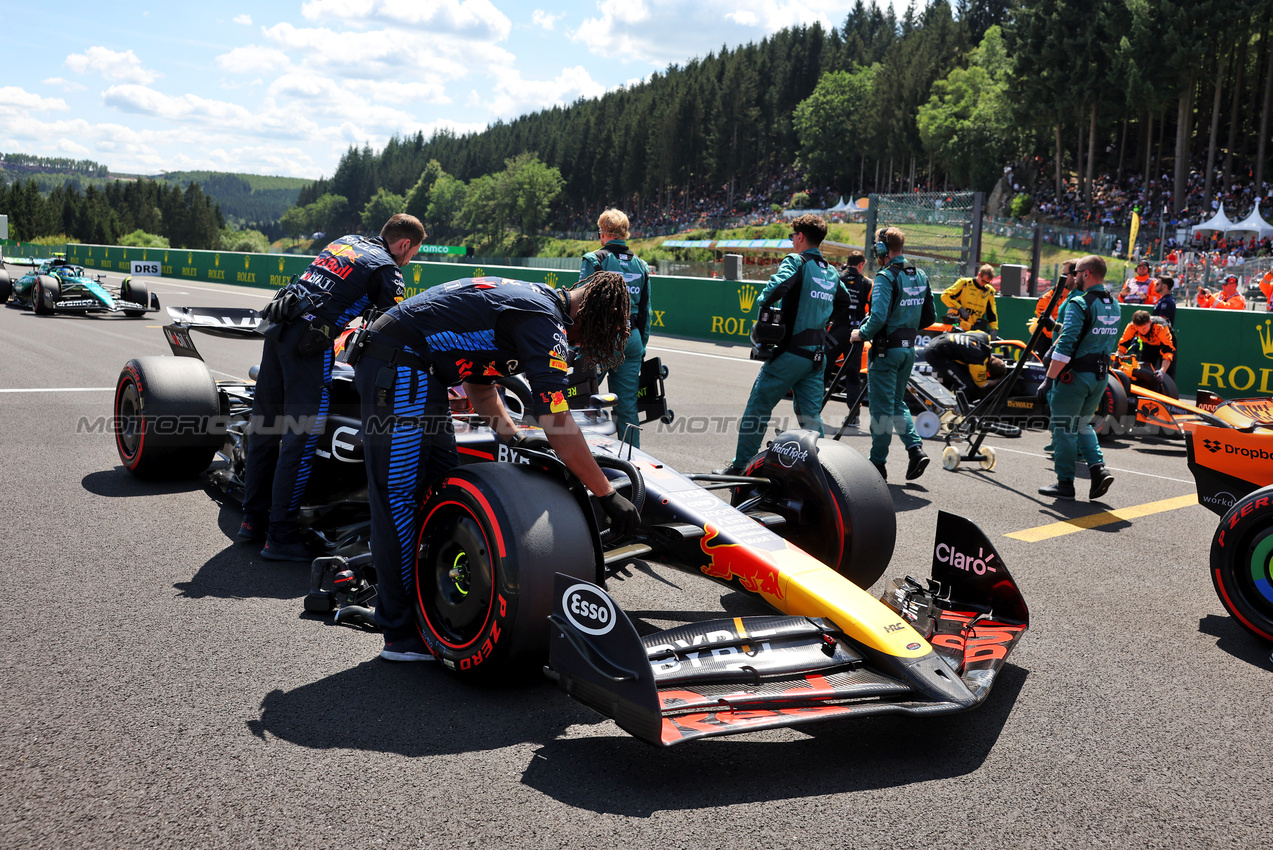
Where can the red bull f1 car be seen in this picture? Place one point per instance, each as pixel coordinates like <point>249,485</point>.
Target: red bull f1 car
<point>59,287</point>
<point>514,556</point>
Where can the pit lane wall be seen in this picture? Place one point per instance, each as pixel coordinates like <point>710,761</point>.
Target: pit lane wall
<point>1226,351</point>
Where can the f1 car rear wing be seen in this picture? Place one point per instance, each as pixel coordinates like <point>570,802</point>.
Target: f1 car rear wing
<point>232,322</point>
<point>743,674</point>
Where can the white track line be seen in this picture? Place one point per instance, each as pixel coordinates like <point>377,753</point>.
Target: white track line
<point>207,289</point>
<point>700,354</point>
<point>1112,468</point>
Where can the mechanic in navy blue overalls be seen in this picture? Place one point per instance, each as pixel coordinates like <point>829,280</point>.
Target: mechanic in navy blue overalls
<point>289,408</point>
<point>471,332</point>
<point>848,311</point>
<point>615,256</point>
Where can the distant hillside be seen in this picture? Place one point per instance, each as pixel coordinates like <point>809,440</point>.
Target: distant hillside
<point>243,197</point>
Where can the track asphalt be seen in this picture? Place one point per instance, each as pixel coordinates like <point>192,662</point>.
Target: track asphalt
<point>160,688</point>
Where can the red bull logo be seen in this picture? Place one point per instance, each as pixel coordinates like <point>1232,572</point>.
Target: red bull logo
<point>752,567</point>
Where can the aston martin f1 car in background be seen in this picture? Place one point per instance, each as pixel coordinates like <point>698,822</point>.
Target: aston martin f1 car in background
<point>59,287</point>
<point>1231,458</point>
<point>514,556</point>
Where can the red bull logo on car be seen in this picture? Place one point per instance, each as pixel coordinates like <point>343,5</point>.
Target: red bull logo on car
<point>755,569</point>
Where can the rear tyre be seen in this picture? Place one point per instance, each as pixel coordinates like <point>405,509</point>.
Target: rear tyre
<point>135,291</point>
<point>1169,386</point>
<point>1242,562</point>
<point>44,294</point>
<point>1111,414</point>
<point>167,414</point>
<point>492,537</point>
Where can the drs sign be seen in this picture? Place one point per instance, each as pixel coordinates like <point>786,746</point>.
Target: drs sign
<point>150,267</point>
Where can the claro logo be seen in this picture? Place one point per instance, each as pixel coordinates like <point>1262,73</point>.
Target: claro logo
<point>789,453</point>
<point>978,564</point>
<point>588,609</point>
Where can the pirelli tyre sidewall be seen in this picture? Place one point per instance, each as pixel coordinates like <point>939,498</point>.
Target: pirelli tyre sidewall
<point>137,292</point>
<point>1242,562</point>
<point>490,538</point>
<point>45,292</point>
<point>1111,413</point>
<point>167,419</point>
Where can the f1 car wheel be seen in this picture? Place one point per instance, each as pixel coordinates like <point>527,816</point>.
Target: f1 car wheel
<point>927,424</point>
<point>136,291</point>
<point>6,287</point>
<point>988,458</point>
<point>851,525</point>
<point>1169,386</point>
<point>492,536</point>
<point>44,294</point>
<point>1111,414</point>
<point>166,415</point>
<point>1242,562</point>
<point>950,458</point>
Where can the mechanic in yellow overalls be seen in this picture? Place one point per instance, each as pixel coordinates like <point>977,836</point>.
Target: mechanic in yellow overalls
<point>974,300</point>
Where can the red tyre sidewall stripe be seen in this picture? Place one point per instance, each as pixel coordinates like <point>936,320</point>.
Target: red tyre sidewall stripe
<point>130,461</point>
<point>490,608</point>
<point>1233,609</point>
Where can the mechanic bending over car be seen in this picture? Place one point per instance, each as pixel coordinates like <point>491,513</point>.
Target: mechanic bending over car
<point>805,286</point>
<point>901,304</point>
<point>471,332</point>
<point>848,310</point>
<point>974,300</point>
<point>1078,373</point>
<point>967,363</point>
<point>1152,344</point>
<point>624,379</point>
<point>293,386</point>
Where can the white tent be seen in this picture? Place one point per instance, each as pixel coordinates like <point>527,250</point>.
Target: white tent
<point>1219,222</point>
<point>1254,223</point>
<point>840,207</point>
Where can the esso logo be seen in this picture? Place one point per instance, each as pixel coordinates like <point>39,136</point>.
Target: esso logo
<point>588,609</point>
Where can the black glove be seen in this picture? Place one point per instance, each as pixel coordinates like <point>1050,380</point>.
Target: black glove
<point>1043,389</point>
<point>528,439</point>
<point>624,517</point>
<point>285,307</point>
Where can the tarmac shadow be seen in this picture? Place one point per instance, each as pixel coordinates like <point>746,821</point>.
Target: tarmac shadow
<point>414,710</point>
<point>120,483</point>
<point>239,572</point>
<point>617,774</point>
<point>1237,641</point>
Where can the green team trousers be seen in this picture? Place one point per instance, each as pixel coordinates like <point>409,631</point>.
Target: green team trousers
<point>886,392</point>
<point>785,372</point>
<point>1073,406</point>
<point>624,381</point>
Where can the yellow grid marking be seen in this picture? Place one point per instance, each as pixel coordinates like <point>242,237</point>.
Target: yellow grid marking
<point>1069,526</point>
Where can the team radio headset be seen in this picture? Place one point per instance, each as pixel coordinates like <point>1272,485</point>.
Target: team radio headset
<point>900,337</point>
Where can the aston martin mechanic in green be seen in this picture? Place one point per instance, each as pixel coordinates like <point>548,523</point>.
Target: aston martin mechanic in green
<point>61,287</point>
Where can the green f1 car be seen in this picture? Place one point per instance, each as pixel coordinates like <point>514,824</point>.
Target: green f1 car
<point>60,287</point>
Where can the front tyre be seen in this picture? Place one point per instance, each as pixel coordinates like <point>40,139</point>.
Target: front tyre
<point>491,538</point>
<point>1242,562</point>
<point>45,292</point>
<point>6,287</point>
<point>167,417</point>
<point>137,292</point>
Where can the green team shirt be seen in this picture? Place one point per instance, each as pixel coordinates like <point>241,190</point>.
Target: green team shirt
<point>817,290</point>
<point>636,275</point>
<point>884,315</point>
<point>1101,318</point>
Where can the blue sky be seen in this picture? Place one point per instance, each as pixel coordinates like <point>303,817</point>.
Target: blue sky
<point>286,87</point>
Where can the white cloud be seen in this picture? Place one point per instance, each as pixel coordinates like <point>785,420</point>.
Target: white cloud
<point>64,84</point>
<point>244,19</point>
<point>545,20</point>
<point>147,101</point>
<point>474,19</point>
<point>73,148</point>
<point>515,96</point>
<point>117,67</point>
<point>746,19</point>
<point>252,59</point>
<point>13,98</point>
